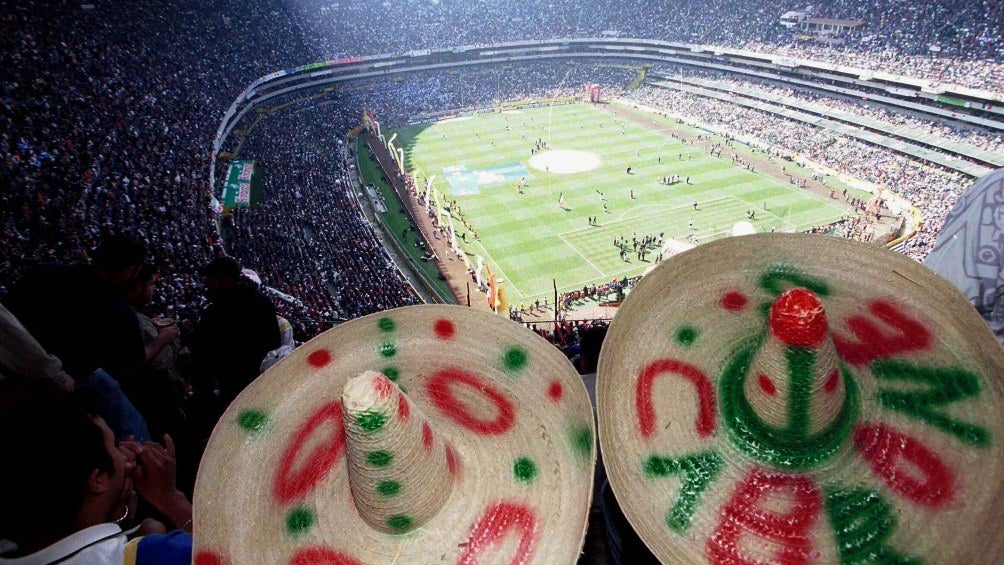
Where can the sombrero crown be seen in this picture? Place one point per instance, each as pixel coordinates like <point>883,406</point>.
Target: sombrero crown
<point>424,434</point>
<point>803,399</point>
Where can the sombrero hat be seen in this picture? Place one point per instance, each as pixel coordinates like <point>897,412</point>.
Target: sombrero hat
<point>424,434</point>
<point>787,398</point>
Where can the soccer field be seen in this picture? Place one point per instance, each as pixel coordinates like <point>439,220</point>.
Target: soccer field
<point>529,240</point>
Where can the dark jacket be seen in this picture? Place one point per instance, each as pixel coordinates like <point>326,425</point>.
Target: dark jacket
<point>231,339</point>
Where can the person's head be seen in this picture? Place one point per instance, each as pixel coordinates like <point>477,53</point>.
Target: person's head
<point>141,291</point>
<point>221,273</point>
<point>590,342</point>
<point>61,473</point>
<point>117,260</point>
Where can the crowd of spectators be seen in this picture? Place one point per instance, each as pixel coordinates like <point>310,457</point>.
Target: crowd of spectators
<point>949,41</point>
<point>931,189</point>
<point>309,238</point>
<point>419,96</point>
<point>814,101</point>
<point>105,124</point>
<point>962,69</point>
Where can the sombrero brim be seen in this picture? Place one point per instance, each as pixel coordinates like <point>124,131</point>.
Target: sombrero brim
<point>917,471</point>
<point>524,488</point>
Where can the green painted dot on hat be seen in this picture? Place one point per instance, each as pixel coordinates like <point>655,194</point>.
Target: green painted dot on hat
<point>581,439</point>
<point>524,469</point>
<point>400,523</point>
<point>392,373</point>
<point>379,458</point>
<point>387,349</point>
<point>299,520</point>
<point>514,359</point>
<point>371,421</point>
<point>253,421</point>
<point>386,324</point>
<point>388,488</point>
<point>687,335</point>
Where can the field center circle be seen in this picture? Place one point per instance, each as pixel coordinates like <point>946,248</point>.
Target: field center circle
<point>565,161</point>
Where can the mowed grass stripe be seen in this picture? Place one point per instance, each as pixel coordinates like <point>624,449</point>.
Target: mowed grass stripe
<point>530,240</point>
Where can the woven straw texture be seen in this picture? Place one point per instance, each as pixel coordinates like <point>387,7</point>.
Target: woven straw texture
<point>473,442</point>
<point>788,398</point>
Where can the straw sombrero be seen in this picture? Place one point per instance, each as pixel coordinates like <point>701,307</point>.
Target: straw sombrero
<point>785,398</point>
<point>424,434</point>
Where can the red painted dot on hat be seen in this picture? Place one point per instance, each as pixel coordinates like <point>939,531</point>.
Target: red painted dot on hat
<point>734,301</point>
<point>554,391</point>
<point>444,329</point>
<point>427,436</point>
<point>452,463</point>
<point>797,318</point>
<point>831,382</point>
<point>766,384</point>
<point>403,408</point>
<point>207,557</point>
<point>382,386</point>
<point>319,358</point>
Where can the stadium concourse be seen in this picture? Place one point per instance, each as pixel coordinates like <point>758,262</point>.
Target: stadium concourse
<point>108,112</point>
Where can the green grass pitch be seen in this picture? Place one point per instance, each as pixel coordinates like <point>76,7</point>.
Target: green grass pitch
<point>529,240</point>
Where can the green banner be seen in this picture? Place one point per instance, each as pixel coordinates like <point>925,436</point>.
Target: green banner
<point>952,101</point>
<point>243,185</point>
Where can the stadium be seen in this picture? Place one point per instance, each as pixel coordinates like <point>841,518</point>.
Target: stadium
<point>531,159</point>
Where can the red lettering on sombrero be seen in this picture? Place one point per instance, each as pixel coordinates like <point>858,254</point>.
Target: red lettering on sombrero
<point>496,523</point>
<point>643,395</point>
<point>743,515</point>
<point>291,484</point>
<point>872,343</point>
<point>321,556</point>
<point>888,451</point>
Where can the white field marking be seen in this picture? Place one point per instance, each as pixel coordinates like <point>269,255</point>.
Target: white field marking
<point>798,191</point>
<point>704,235</point>
<point>691,205</point>
<point>751,204</point>
<point>783,219</point>
<point>576,249</point>
<point>565,161</point>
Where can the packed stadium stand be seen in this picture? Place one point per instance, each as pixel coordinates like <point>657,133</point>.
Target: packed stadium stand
<point>107,123</point>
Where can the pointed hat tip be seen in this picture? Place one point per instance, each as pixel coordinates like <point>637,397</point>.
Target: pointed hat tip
<point>797,318</point>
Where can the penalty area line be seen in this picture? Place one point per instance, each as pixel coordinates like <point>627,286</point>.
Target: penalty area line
<point>576,249</point>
